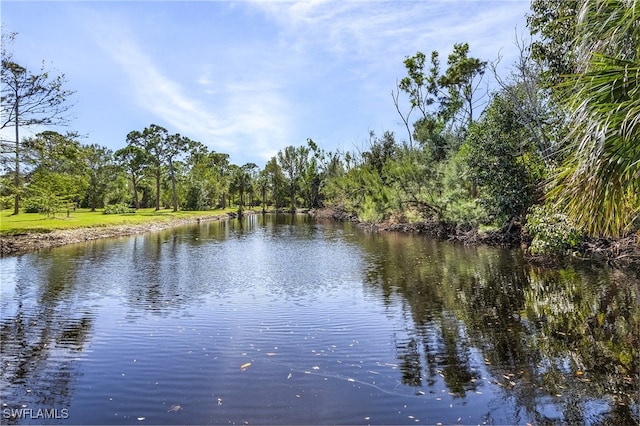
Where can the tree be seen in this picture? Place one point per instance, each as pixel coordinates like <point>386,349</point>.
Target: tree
<point>293,161</point>
<point>28,100</point>
<point>220,163</point>
<point>553,25</point>
<point>175,145</point>
<point>57,176</point>
<point>537,111</point>
<point>101,170</point>
<point>446,102</point>
<point>599,183</point>
<point>200,179</point>
<point>134,160</point>
<point>153,140</point>
<point>503,160</point>
<point>275,181</point>
<point>241,182</point>
<point>462,80</point>
<point>421,88</point>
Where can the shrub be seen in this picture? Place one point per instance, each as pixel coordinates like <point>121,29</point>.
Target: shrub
<point>31,206</point>
<point>120,208</point>
<point>552,232</point>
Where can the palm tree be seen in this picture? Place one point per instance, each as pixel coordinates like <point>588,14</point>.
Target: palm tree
<point>599,184</point>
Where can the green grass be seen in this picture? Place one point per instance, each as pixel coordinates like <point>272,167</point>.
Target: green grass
<point>83,218</point>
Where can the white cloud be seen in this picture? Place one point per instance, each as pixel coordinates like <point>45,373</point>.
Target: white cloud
<point>229,116</point>
<point>377,31</point>
<point>316,69</point>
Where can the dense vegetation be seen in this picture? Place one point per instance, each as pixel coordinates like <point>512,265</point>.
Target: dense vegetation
<point>555,147</point>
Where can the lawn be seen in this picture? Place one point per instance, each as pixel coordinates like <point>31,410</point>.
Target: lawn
<point>83,218</point>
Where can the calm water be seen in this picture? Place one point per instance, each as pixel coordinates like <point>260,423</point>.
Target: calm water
<point>286,321</point>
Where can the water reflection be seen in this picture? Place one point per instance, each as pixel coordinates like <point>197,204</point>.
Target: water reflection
<point>41,329</point>
<point>372,323</point>
<point>562,343</point>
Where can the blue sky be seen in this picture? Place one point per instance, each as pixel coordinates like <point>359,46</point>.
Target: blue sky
<point>248,78</point>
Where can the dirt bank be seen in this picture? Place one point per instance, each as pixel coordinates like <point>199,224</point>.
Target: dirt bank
<point>617,252</point>
<point>17,244</point>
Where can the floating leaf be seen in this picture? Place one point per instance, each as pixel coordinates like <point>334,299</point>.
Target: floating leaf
<point>245,366</point>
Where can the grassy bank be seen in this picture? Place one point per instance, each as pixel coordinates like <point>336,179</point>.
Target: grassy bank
<point>29,223</point>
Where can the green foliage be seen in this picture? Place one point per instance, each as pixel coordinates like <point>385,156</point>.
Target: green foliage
<point>121,208</point>
<point>372,210</point>
<point>48,205</point>
<point>292,161</point>
<point>503,161</point>
<point>444,100</point>
<point>552,23</point>
<point>599,183</point>
<point>460,171</point>
<point>28,100</point>
<point>100,172</point>
<point>5,202</point>
<point>552,232</point>
<point>459,206</point>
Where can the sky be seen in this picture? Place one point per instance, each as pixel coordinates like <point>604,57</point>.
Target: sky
<point>248,78</point>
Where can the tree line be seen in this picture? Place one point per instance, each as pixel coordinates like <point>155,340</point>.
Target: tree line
<point>554,147</point>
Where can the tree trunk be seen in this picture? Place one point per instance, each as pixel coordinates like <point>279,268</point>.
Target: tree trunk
<point>16,176</point>
<point>173,187</point>
<point>293,200</point>
<point>136,199</point>
<point>158,189</point>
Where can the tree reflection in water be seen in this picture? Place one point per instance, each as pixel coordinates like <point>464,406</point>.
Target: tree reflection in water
<point>40,331</point>
<point>558,342</point>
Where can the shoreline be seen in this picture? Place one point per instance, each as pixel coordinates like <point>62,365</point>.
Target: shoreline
<point>618,253</point>
<point>34,241</point>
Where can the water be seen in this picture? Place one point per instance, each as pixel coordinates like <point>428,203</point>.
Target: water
<point>281,320</point>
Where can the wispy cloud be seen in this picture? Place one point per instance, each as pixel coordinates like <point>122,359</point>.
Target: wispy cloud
<point>316,68</point>
<point>376,31</point>
<point>367,41</point>
<point>229,116</point>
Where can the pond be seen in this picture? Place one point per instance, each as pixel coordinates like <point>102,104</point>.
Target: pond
<point>286,320</point>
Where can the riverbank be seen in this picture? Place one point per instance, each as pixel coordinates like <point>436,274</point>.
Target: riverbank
<point>31,241</point>
<point>618,252</point>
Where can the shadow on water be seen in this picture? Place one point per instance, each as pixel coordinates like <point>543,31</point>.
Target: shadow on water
<point>561,343</point>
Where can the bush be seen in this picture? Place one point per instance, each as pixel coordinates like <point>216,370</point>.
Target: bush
<point>6,202</point>
<point>371,211</point>
<point>44,205</point>
<point>120,208</point>
<point>31,206</point>
<point>552,232</point>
